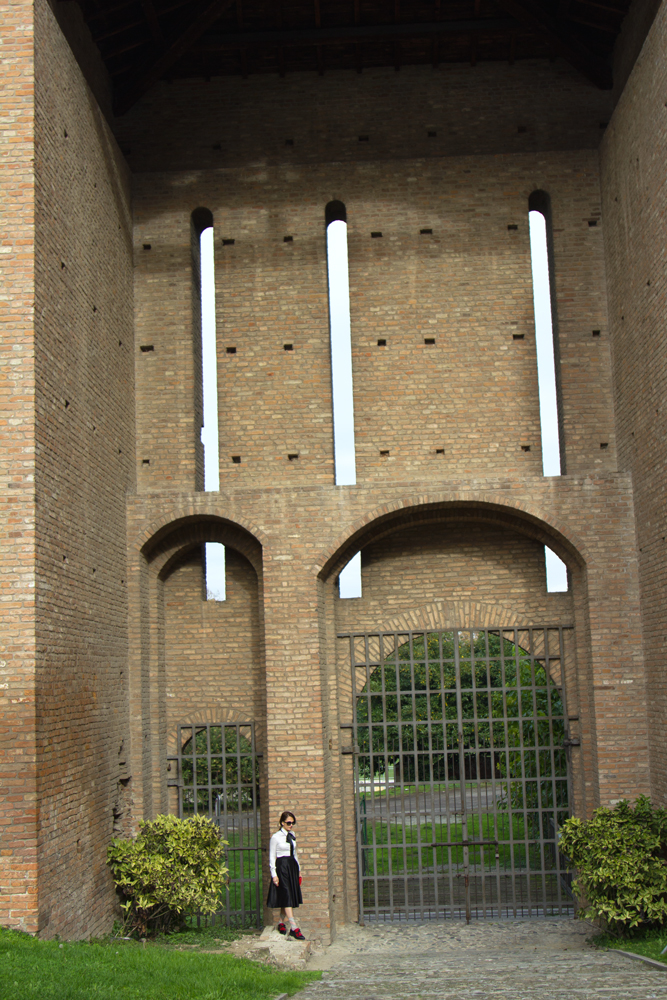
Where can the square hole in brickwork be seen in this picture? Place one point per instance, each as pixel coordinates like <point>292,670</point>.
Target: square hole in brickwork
<point>440,451</point>
<point>525,447</point>
<point>431,133</point>
<point>382,342</point>
<point>231,350</point>
<point>236,459</point>
<point>512,227</point>
<point>147,246</point>
<point>364,138</point>
<point>592,222</point>
<point>596,333</point>
<point>430,341</point>
<point>384,453</point>
<point>425,232</point>
<point>288,239</point>
<point>228,243</point>
<point>521,129</point>
<point>288,347</point>
<point>289,142</point>
<point>376,235</point>
<point>216,145</point>
<point>604,445</point>
<point>146,348</point>
<point>145,461</point>
<point>518,336</point>
<point>293,457</point>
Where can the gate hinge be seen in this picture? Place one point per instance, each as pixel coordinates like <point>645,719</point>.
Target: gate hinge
<point>574,742</point>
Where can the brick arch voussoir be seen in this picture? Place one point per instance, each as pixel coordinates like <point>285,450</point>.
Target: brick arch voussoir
<point>215,714</point>
<point>173,538</point>
<point>525,518</point>
<point>453,614</point>
<point>150,534</point>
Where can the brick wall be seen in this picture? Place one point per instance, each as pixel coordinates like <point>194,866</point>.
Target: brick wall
<point>84,411</point>
<point>442,556</point>
<point>460,562</point>
<point>467,285</point>
<point>232,122</point>
<point>634,186</point>
<point>212,648</point>
<point>18,802</point>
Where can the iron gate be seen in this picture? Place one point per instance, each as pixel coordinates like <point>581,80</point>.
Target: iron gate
<point>218,776</point>
<point>461,769</point>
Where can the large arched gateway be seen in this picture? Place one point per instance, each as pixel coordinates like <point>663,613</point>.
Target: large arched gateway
<point>461,754</point>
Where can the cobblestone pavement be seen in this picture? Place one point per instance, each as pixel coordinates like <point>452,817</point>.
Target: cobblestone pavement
<point>545,959</point>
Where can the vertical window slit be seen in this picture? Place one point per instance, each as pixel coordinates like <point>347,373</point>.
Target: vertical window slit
<point>341,372</point>
<point>546,341</point>
<point>213,552</point>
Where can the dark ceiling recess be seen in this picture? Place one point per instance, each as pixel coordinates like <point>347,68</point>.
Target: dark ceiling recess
<point>143,41</point>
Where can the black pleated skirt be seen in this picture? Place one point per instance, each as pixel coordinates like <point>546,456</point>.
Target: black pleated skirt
<point>288,892</point>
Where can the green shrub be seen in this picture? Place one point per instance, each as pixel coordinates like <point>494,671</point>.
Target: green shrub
<point>173,869</point>
<point>621,860</point>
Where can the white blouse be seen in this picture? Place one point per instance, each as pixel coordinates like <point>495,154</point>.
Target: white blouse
<point>279,848</point>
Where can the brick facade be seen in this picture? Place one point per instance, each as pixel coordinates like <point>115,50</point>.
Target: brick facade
<point>18,799</point>
<point>634,187</point>
<point>108,640</point>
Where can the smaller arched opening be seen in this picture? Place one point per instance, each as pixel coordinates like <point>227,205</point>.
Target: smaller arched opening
<point>204,702</point>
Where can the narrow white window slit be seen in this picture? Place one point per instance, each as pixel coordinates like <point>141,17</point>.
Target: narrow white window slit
<point>544,340</point>
<point>546,378</point>
<point>556,572</point>
<point>345,471</point>
<point>341,355</point>
<point>214,555</point>
<point>349,581</point>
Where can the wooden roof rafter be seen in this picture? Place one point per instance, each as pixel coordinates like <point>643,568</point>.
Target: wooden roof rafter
<point>588,63</point>
<point>178,47</point>
<point>180,38</point>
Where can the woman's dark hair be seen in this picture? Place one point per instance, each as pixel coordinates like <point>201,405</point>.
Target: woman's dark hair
<point>283,817</point>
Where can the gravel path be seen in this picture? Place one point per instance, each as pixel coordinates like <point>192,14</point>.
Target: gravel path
<point>511,959</point>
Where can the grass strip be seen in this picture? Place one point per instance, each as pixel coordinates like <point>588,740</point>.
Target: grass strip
<point>648,943</point>
<point>125,970</point>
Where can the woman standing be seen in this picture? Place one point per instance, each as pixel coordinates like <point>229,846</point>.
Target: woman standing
<point>285,888</point>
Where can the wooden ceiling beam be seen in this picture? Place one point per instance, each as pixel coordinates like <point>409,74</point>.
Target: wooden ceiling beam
<point>185,41</point>
<point>153,21</point>
<point>577,54</point>
<point>357,33</point>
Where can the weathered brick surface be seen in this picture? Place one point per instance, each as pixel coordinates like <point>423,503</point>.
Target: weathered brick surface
<point>108,642</point>
<point>304,534</point>
<point>213,648</point>
<point>634,185</point>
<point>18,800</point>
<point>233,122</point>
<point>468,286</point>
<point>84,430</point>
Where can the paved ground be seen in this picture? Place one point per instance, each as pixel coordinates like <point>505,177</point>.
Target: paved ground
<point>511,959</point>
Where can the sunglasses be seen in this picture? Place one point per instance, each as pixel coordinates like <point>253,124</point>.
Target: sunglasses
<point>289,822</point>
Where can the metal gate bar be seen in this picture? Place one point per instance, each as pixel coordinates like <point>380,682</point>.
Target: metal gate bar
<point>218,776</point>
<point>460,741</point>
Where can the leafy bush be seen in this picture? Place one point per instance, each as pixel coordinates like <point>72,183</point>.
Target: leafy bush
<point>173,869</point>
<point>621,860</point>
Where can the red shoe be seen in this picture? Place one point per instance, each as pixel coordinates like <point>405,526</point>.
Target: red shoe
<point>282,929</point>
<point>296,933</point>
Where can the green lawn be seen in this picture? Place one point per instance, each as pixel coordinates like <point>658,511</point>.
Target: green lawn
<point>125,970</point>
<point>647,943</point>
<point>479,828</point>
